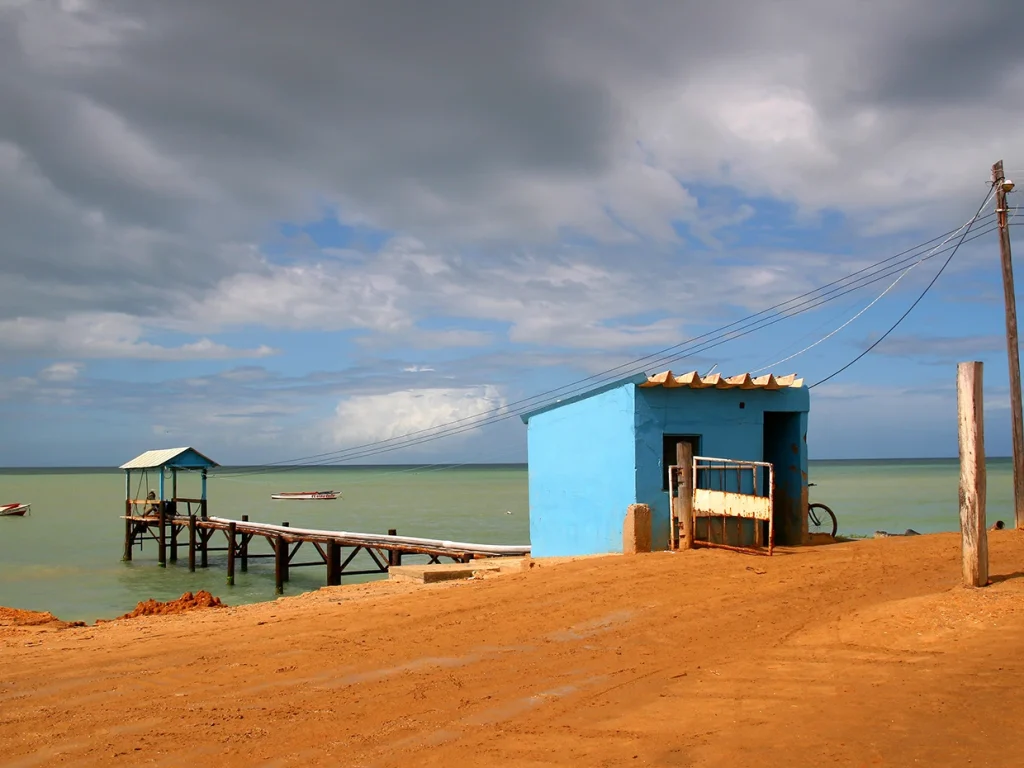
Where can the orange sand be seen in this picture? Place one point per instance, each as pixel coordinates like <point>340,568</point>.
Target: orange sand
<point>856,654</point>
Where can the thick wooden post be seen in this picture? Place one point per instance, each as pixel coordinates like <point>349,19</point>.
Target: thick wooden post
<point>174,543</point>
<point>231,553</point>
<point>129,531</point>
<point>243,550</point>
<point>280,563</point>
<point>333,564</point>
<point>684,494</point>
<point>973,536</point>
<point>162,553</point>
<point>192,543</point>
<point>204,545</point>
<point>394,556</point>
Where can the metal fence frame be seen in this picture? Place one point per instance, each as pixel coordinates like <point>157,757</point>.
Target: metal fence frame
<point>709,503</point>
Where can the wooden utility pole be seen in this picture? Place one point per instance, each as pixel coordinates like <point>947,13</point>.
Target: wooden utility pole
<point>1009,296</point>
<point>973,534</point>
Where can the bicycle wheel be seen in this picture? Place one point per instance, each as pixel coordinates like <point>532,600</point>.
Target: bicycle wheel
<point>821,519</point>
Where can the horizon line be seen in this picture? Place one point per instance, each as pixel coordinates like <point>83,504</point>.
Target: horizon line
<point>449,465</point>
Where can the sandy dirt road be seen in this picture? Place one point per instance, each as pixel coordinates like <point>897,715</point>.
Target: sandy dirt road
<point>866,653</point>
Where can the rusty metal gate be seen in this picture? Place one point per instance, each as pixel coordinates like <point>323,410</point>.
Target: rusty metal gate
<point>732,504</point>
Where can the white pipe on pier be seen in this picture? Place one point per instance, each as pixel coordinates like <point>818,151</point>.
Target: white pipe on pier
<point>374,539</point>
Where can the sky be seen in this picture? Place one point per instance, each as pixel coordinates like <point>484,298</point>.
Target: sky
<point>274,231</point>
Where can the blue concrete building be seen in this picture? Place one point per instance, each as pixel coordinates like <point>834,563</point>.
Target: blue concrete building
<point>593,455</point>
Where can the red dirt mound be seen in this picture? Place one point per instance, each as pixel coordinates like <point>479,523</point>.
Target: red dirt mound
<point>187,602</point>
<point>15,617</point>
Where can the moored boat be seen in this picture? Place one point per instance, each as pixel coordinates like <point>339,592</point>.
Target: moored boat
<point>17,509</point>
<point>305,495</point>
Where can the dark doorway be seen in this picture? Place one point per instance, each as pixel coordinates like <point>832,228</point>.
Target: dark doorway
<point>782,439</point>
<point>668,453</point>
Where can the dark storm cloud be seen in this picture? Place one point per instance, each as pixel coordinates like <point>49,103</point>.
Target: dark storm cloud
<point>144,145</point>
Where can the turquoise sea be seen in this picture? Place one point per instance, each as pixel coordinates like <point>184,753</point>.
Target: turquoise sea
<point>66,556</point>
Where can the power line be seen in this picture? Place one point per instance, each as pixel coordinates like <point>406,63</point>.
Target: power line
<point>634,363</point>
<point>711,339</point>
<point>879,297</point>
<point>916,301</point>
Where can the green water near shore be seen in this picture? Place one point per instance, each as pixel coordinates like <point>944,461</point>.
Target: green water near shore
<point>66,556</point>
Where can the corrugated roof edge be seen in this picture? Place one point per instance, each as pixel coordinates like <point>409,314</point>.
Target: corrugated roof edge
<point>638,379</point>
<point>693,380</point>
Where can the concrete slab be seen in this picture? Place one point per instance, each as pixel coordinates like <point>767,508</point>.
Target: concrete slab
<point>428,574</point>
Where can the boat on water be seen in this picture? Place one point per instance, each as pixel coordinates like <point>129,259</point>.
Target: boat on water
<point>17,509</point>
<point>305,495</point>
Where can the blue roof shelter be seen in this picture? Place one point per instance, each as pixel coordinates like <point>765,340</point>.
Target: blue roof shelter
<point>593,455</point>
<point>163,459</point>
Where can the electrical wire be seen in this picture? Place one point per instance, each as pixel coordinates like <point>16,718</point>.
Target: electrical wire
<point>893,284</point>
<point>917,301</point>
<point>487,418</point>
<point>711,339</point>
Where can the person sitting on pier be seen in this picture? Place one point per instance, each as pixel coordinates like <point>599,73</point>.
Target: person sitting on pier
<point>152,510</point>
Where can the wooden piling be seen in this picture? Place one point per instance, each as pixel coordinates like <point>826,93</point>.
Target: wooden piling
<point>394,556</point>
<point>231,553</point>
<point>162,538</point>
<point>333,564</point>
<point>243,550</point>
<point>204,545</point>
<point>684,495</point>
<point>280,563</point>
<point>174,543</point>
<point>129,530</point>
<point>973,534</point>
<point>191,543</point>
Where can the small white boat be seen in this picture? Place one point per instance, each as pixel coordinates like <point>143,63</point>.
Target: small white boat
<point>305,495</point>
<point>17,509</point>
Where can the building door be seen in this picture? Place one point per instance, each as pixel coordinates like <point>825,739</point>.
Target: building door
<point>782,437</point>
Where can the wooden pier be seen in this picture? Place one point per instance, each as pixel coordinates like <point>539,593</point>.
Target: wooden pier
<point>158,518</point>
<point>336,550</point>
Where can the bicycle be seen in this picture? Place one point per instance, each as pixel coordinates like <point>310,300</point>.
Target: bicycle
<point>821,518</point>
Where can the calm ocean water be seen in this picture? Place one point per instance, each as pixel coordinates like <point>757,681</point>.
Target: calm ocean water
<point>66,557</point>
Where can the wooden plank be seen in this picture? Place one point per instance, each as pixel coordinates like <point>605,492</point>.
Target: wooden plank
<point>973,535</point>
<point>728,504</point>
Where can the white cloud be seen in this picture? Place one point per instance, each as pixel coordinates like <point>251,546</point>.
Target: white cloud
<point>61,372</point>
<point>106,336</point>
<point>367,418</point>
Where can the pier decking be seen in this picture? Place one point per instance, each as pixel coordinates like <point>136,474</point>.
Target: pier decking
<point>157,517</point>
<point>285,542</point>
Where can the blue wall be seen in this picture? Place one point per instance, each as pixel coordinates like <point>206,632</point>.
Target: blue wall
<point>582,473</point>
<point>593,456</point>
<point>726,430</point>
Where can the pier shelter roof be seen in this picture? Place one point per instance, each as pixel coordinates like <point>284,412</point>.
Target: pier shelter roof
<point>177,458</point>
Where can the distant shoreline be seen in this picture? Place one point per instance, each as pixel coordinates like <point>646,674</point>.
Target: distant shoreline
<point>266,469</point>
